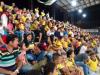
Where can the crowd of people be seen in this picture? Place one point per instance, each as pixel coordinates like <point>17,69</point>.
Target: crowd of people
<point>32,43</point>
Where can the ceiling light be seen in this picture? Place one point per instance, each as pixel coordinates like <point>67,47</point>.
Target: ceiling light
<point>80,11</point>
<point>84,15</point>
<point>74,3</point>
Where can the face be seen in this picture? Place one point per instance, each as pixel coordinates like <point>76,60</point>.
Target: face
<point>93,57</point>
<point>58,60</point>
<point>64,57</point>
<point>29,37</point>
<point>15,43</point>
<point>36,49</point>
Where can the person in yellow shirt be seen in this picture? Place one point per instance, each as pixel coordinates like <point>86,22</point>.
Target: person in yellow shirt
<point>23,18</point>
<point>52,68</point>
<point>70,63</point>
<point>92,62</point>
<point>57,43</point>
<point>21,25</point>
<point>58,47</point>
<point>65,42</point>
<point>34,25</point>
<point>1,9</point>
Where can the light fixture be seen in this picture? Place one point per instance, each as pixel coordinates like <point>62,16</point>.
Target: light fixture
<point>74,3</point>
<point>80,11</point>
<point>84,15</point>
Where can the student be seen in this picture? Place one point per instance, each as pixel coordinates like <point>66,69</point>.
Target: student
<point>8,56</point>
<point>28,40</point>
<point>36,57</point>
<point>55,67</point>
<point>71,63</point>
<point>93,63</point>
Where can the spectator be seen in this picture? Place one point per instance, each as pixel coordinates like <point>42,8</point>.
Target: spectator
<point>8,55</point>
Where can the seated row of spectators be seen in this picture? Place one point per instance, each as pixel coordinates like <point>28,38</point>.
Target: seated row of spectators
<point>34,44</point>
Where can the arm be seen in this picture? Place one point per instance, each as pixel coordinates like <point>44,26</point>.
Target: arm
<point>1,41</point>
<point>4,71</point>
<point>40,37</point>
<point>19,65</point>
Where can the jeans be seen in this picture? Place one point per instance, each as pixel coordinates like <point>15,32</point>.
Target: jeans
<point>26,68</point>
<point>50,55</point>
<point>84,66</point>
<point>35,57</point>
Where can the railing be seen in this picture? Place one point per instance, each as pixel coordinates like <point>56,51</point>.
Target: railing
<point>93,31</point>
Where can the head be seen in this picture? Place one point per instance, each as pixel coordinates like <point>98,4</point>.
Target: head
<point>57,58</point>
<point>70,54</point>
<point>36,49</point>
<point>2,3</point>
<point>29,37</point>
<point>12,40</point>
<point>93,56</point>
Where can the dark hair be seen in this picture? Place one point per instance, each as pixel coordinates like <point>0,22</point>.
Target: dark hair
<point>11,37</point>
<point>25,39</point>
<point>69,53</point>
<point>92,53</point>
<point>55,56</point>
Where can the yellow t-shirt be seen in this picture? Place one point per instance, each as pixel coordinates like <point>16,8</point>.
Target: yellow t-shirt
<point>70,32</point>
<point>93,43</point>
<point>92,65</point>
<point>58,44</point>
<point>80,43</point>
<point>21,26</point>
<point>69,41</point>
<point>47,28</point>
<point>23,18</point>
<point>10,7</point>
<point>42,14</point>
<point>64,43</point>
<point>1,10</point>
<point>60,66</point>
<point>70,63</point>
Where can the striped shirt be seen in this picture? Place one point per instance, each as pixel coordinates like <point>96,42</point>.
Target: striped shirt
<point>8,59</point>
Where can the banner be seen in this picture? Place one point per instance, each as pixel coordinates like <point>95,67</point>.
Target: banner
<point>46,2</point>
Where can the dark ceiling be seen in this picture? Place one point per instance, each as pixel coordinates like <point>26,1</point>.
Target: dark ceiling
<point>80,4</point>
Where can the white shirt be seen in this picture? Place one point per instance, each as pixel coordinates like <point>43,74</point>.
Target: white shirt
<point>83,49</point>
<point>4,20</point>
<point>1,30</point>
<point>29,16</point>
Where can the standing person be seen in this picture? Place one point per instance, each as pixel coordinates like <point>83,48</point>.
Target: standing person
<point>8,56</point>
<point>4,19</point>
<point>2,35</point>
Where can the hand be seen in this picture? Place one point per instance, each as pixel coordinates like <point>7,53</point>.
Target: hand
<point>13,73</point>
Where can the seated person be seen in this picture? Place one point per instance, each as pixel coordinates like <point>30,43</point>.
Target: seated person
<point>57,46</point>
<point>8,56</point>
<point>71,63</point>
<point>65,43</point>
<point>93,63</point>
<point>55,67</point>
<point>80,60</point>
<point>28,41</point>
<point>35,55</point>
